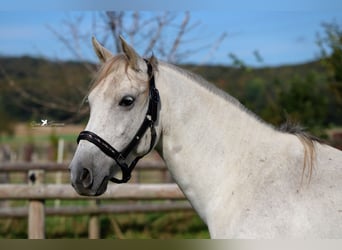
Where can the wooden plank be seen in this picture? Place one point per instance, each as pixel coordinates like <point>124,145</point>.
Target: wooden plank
<point>26,166</point>
<point>20,212</point>
<point>114,191</point>
<point>144,164</point>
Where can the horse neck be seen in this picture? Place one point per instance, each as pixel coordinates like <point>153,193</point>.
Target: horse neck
<point>204,136</point>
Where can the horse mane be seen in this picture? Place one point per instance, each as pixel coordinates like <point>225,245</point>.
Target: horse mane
<point>212,88</point>
<point>308,140</point>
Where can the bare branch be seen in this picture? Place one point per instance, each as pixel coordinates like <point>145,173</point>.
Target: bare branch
<point>161,22</point>
<point>163,32</point>
<point>134,29</point>
<point>215,47</point>
<point>74,48</point>
<point>115,26</point>
<point>177,41</point>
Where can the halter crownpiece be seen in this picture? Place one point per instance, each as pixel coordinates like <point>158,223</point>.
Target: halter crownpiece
<point>148,123</point>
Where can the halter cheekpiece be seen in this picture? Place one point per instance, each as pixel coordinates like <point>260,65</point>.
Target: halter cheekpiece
<point>148,123</point>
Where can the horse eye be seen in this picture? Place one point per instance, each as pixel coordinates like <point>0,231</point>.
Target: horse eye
<point>126,101</point>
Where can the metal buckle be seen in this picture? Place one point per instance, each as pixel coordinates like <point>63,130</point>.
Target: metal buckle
<point>120,159</point>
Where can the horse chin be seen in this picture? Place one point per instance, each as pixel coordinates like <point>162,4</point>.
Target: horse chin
<point>103,186</point>
<point>93,191</point>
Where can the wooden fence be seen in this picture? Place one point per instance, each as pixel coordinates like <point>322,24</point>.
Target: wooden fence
<point>37,192</point>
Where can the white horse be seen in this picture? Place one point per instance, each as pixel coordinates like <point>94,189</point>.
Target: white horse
<point>244,178</point>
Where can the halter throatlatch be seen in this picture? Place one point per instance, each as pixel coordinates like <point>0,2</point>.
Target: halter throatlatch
<point>148,123</point>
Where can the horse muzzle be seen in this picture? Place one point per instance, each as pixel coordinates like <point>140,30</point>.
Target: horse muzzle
<point>86,183</point>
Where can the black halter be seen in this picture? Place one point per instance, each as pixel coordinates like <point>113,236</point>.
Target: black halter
<point>149,121</point>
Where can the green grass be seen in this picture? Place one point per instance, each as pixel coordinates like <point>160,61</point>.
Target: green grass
<point>157,225</point>
<point>171,225</point>
<point>153,225</point>
<point>37,138</point>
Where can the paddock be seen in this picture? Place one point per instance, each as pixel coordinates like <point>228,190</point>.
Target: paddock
<point>135,197</point>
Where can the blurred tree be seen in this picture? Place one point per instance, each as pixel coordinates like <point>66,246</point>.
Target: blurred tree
<point>237,62</point>
<point>330,44</point>
<point>60,95</point>
<point>306,100</point>
<point>6,121</point>
<point>33,88</point>
<point>161,33</point>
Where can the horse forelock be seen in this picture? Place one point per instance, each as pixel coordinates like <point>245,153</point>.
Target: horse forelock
<point>118,64</point>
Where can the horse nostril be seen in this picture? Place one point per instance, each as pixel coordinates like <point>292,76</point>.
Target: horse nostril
<point>86,178</point>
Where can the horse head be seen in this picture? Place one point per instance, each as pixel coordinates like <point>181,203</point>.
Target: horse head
<point>122,126</point>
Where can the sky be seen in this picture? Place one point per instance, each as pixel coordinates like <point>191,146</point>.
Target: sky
<point>280,35</point>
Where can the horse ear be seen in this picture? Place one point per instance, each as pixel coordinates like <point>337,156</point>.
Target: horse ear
<point>102,53</point>
<point>136,62</point>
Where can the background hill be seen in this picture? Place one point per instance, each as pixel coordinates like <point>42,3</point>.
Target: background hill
<point>32,88</point>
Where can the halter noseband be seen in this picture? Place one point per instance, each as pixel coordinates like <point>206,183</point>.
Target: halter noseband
<point>149,121</point>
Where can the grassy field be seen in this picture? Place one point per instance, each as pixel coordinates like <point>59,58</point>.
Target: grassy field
<point>25,132</point>
<point>168,225</point>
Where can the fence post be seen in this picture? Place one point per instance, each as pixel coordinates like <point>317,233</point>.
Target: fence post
<point>5,156</point>
<point>60,154</point>
<point>94,224</point>
<point>36,213</point>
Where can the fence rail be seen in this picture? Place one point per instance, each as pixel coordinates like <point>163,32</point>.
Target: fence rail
<point>144,164</point>
<point>22,212</point>
<point>114,192</point>
<point>36,192</point>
